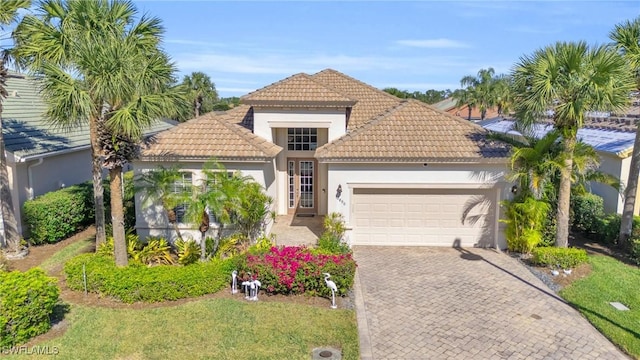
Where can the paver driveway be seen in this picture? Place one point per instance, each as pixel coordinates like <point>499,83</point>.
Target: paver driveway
<point>443,303</point>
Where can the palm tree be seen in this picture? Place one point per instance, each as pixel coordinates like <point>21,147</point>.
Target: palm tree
<point>569,79</point>
<point>159,185</point>
<point>202,94</point>
<point>100,66</point>
<point>626,38</point>
<point>463,98</point>
<point>8,14</point>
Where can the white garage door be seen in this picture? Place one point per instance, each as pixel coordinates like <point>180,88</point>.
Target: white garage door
<point>423,217</point>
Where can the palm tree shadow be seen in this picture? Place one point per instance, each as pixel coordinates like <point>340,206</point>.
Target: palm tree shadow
<point>480,209</point>
<point>467,255</point>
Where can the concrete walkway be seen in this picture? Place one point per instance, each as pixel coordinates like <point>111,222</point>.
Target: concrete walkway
<point>443,303</point>
<point>296,230</point>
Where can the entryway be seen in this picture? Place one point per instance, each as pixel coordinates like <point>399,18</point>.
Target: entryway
<point>301,186</point>
<point>291,230</point>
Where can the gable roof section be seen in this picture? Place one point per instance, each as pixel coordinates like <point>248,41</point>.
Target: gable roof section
<point>27,134</point>
<point>371,101</point>
<point>415,132</point>
<point>210,136</point>
<point>297,90</point>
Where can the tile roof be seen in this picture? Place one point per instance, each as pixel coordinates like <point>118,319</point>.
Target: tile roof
<point>298,89</point>
<point>28,134</point>
<point>415,131</point>
<point>371,101</point>
<point>210,136</point>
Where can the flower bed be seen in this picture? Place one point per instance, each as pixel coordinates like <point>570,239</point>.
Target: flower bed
<point>297,270</point>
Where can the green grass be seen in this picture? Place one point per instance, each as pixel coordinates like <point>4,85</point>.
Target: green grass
<point>69,251</point>
<point>610,280</point>
<point>206,329</point>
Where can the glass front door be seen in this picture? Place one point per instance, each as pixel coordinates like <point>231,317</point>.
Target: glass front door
<point>301,185</point>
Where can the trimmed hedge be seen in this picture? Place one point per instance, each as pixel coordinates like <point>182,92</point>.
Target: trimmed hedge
<point>587,210</point>
<point>149,284</point>
<point>27,300</point>
<point>565,258</point>
<point>58,214</point>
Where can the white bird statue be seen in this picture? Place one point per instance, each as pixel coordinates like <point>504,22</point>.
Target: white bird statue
<point>234,281</point>
<point>333,288</point>
<point>255,287</point>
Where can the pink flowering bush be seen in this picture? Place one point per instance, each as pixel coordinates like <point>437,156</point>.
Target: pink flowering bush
<point>297,270</point>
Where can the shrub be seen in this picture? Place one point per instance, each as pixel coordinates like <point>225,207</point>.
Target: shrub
<point>635,250</point>
<point>607,229</point>
<point>188,251</point>
<point>587,209</point>
<point>27,300</point>
<point>525,219</point>
<point>58,214</point>
<point>332,239</point>
<point>155,252</point>
<point>149,284</point>
<point>263,245</point>
<point>563,257</point>
<point>297,270</point>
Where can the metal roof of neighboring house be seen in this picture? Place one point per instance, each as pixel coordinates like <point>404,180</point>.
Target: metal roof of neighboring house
<point>615,142</point>
<point>207,136</point>
<point>27,133</point>
<point>414,131</point>
<point>446,104</point>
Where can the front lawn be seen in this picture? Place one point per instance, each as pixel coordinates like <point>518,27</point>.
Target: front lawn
<point>610,280</point>
<point>205,329</point>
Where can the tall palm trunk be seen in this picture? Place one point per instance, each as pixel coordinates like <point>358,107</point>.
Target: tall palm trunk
<point>98,190</point>
<point>11,235</point>
<point>626,226</point>
<point>469,117</point>
<point>564,193</point>
<point>117,216</point>
<point>204,227</point>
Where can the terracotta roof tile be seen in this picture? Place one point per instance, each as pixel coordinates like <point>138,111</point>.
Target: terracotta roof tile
<point>210,136</point>
<point>371,101</point>
<point>297,89</point>
<point>417,132</point>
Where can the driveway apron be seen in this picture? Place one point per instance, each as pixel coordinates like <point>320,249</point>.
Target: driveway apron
<point>444,303</point>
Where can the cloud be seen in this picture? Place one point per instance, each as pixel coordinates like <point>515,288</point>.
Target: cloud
<point>257,63</point>
<point>433,43</point>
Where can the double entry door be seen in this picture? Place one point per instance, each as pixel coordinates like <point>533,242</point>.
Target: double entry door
<point>301,182</point>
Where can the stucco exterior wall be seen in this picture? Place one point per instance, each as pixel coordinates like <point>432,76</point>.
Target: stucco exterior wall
<point>264,119</point>
<point>151,219</point>
<point>51,174</point>
<point>350,176</point>
<point>619,168</point>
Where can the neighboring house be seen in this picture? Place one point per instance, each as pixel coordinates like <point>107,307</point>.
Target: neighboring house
<point>42,157</point>
<point>612,138</point>
<point>400,171</point>
<point>448,105</point>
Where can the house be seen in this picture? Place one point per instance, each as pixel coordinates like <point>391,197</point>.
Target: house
<point>400,172</point>
<point>611,136</point>
<point>42,157</point>
<point>449,105</point>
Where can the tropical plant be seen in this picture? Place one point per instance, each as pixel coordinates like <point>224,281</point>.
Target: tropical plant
<point>463,98</point>
<point>10,238</point>
<point>626,40</point>
<point>159,185</point>
<point>188,251</point>
<point>484,91</point>
<point>525,218</point>
<point>202,95</point>
<point>253,211</point>
<point>569,79</point>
